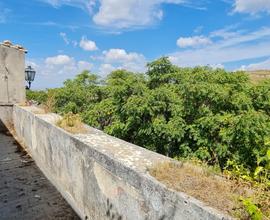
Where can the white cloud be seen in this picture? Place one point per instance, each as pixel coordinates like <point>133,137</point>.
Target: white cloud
<point>53,71</point>
<point>195,41</point>
<point>121,14</point>
<point>240,46</point>
<point>64,64</point>
<point>252,6</point>
<point>121,56</point>
<point>83,4</point>
<point>264,65</point>
<point>217,66</point>
<point>64,37</point>
<point>67,40</point>
<point>58,60</point>
<point>83,65</point>
<point>106,69</point>
<point>121,59</point>
<point>139,67</point>
<point>32,64</point>
<point>88,45</point>
<point>227,32</point>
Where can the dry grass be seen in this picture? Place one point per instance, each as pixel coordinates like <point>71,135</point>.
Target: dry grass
<point>72,123</point>
<point>258,75</point>
<point>48,106</point>
<point>39,110</point>
<point>25,103</point>
<point>259,72</point>
<point>215,191</point>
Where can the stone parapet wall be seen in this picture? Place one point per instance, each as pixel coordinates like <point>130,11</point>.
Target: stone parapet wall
<point>100,176</point>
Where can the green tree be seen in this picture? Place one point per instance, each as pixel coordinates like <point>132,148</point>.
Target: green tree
<point>214,115</point>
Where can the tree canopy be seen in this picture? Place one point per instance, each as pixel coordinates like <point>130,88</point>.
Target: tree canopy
<point>211,114</point>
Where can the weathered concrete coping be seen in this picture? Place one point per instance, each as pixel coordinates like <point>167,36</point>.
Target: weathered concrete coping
<point>8,43</point>
<point>102,174</point>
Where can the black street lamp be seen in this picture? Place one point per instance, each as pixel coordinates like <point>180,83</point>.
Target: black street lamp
<point>30,74</point>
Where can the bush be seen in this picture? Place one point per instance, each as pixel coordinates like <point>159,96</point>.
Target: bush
<point>211,114</point>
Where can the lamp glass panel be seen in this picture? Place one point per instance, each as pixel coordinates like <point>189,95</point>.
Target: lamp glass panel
<point>32,75</point>
<point>27,75</point>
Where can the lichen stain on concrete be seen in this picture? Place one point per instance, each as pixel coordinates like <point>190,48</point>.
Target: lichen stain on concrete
<point>113,187</point>
<point>122,197</point>
<point>121,150</point>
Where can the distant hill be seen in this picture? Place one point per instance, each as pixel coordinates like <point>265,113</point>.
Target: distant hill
<point>258,75</point>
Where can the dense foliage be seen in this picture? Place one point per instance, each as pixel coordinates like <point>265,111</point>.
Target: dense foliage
<point>216,116</point>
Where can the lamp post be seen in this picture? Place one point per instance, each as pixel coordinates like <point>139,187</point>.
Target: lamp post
<point>30,74</point>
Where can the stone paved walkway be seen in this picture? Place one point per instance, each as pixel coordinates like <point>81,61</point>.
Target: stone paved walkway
<point>25,193</point>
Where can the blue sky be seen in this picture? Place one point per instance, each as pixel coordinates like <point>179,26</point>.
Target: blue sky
<point>64,37</point>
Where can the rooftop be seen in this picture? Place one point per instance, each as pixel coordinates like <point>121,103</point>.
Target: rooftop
<point>25,193</point>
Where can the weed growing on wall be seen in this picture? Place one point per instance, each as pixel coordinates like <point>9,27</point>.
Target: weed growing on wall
<point>72,123</point>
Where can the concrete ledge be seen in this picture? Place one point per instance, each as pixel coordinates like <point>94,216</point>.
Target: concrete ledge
<point>103,177</point>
